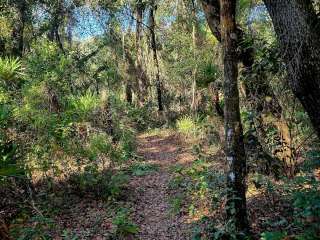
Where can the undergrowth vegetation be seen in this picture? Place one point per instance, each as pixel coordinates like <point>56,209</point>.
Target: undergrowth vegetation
<point>62,139</point>
<point>119,119</point>
<point>199,190</point>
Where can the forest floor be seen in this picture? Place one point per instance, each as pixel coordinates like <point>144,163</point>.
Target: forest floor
<point>151,198</point>
<point>146,199</point>
<point>166,195</point>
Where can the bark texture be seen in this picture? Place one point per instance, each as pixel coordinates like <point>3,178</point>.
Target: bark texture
<point>128,84</point>
<point>256,89</point>
<point>18,30</point>
<point>214,92</point>
<point>56,21</point>
<point>141,74</point>
<point>4,231</point>
<point>132,81</point>
<point>129,92</point>
<point>235,153</point>
<point>211,10</point>
<point>298,30</point>
<point>195,42</point>
<point>155,55</point>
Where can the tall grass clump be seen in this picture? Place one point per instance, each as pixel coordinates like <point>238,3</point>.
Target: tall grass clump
<point>186,125</point>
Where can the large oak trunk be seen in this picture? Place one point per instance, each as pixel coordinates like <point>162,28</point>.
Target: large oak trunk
<point>298,30</point>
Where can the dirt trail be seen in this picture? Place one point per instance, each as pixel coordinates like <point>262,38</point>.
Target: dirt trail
<point>152,196</point>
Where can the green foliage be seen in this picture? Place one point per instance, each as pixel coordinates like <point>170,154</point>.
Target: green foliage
<point>303,194</point>
<point>273,235</point>
<point>306,202</point>
<point>127,143</point>
<point>100,144</point>
<point>176,204</point>
<point>312,162</point>
<point>199,184</point>
<point>69,236</point>
<point>142,118</point>
<point>206,181</point>
<point>39,228</point>
<point>8,159</point>
<point>5,114</point>
<point>9,165</point>
<point>48,68</point>
<point>208,73</point>
<point>124,226</point>
<point>186,125</point>
<point>209,228</point>
<point>84,105</point>
<point>142,169</point>
<point>99,184</point>
<point>11,71</point>
<point>54,123</point>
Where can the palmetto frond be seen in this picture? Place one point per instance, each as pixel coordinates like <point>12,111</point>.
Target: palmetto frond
<point>11,70</point>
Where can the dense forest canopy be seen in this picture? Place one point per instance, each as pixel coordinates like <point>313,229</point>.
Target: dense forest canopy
<point>159,119</point>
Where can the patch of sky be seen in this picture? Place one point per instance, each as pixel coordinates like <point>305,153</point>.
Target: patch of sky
<point>89,22</point>
<point>39,15</point>
<point>258,13</point>
<point>126,19</point>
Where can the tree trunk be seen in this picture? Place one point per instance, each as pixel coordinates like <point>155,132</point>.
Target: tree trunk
<point>194,92</point>
<point>70,25</point>
<point>107,111</point>
<point>214,92</point>
<point>211,9</point>
<point>54,104</point>
<point>4,231</point>
<point>194,104</point>
<point>155,55</point>
<point>132,82</point>
<point>18,31</point>
<point>132,73</point>
<point>128,92</point>
<point>141,75</point>
<point>257,89</point>
<point>128,85</point>
<point>2,47</point>
<point>298,30</point>
<point>57,18</point>
<point>235,153</point>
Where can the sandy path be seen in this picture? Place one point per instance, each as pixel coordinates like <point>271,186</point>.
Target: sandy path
<point>152,196</point>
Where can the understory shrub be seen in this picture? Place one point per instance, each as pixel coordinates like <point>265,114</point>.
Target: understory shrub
<point>186,125</point>
<point>106,184</point>
<point>124,226</point>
